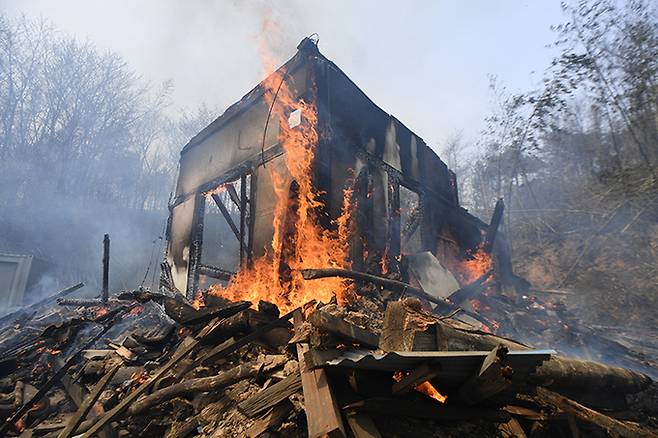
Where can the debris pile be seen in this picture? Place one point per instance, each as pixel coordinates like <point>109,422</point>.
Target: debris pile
<point>151,364</point>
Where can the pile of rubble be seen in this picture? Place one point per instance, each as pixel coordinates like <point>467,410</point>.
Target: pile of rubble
<point>152,364</point>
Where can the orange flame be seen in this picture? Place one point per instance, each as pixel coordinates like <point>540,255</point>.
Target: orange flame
<point>199,301</point>
<point>424,388</point>
<point>135,311</point>
<point>430,391</point>
<point>101,311</point>
<point>51,351</point>
<point>302,242</point>
<point>467,271</point>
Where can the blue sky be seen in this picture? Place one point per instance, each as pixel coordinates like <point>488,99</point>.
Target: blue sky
<point>426,62</point>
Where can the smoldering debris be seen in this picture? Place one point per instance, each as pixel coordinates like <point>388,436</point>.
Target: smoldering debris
<point>150,364</point>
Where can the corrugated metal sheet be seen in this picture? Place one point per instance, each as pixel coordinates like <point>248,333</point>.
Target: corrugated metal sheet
<point>453,365</point>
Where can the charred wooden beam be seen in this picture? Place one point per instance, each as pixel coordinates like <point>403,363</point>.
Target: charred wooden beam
<point>270,419</point>
<point>612,426</point>
<point>470,290</point>
<point>204,384</point>
<point>224,350</point>
<point>492,230</point>
<point>421,374</point>
<point>362,425</point>
<point>214,272</point>
<point>343,329</point>
<point>38,304</point>
<point>271,395</point>
<point>243,216</point>
<point>233,194</point>
<point>289,233</point>
<point>105,291</point>
<point>394,285</point>
<point>426,409</point>
<point>88,403</point>
<point>226,214</point>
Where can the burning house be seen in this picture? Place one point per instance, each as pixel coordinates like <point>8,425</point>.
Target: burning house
<point>306,172</point>
<point>320,279</point>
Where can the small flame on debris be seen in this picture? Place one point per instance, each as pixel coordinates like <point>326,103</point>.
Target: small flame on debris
<point>424,388</point>
<point>20,424</point>
<point>199,300</point>
<point>135,311</point>
<point>101,311</point>
<point>139,377</point>
<point>51,351</point>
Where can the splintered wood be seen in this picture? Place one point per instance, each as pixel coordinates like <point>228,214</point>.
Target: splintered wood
<point>370,369</point>
<point>322,413</point>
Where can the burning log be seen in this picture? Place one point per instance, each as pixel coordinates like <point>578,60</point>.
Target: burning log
<point>203,384</point>
<point>394,285</point>
<point>471,290</point>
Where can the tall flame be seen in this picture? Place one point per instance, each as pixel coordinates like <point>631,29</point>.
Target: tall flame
<point>299,241</point>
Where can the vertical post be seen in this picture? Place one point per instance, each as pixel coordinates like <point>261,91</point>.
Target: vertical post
<point>243,215</point>
<point>492,230</point>
<point>106,269</point>
<point>394,232</point>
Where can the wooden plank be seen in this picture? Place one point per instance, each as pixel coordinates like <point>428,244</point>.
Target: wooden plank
<point>272,418</point>
<point>322,414</point>
<point>492,378</point>
<point>88,403</point>
<point>362,425</point>
<point>271,396</point>
<point>612,426</point>
<point>421,374</point>
<point>336,325</point>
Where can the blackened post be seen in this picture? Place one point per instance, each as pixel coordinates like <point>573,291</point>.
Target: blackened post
<point>243,216</point>
<point>106,269</point>
<point>494,225</point>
